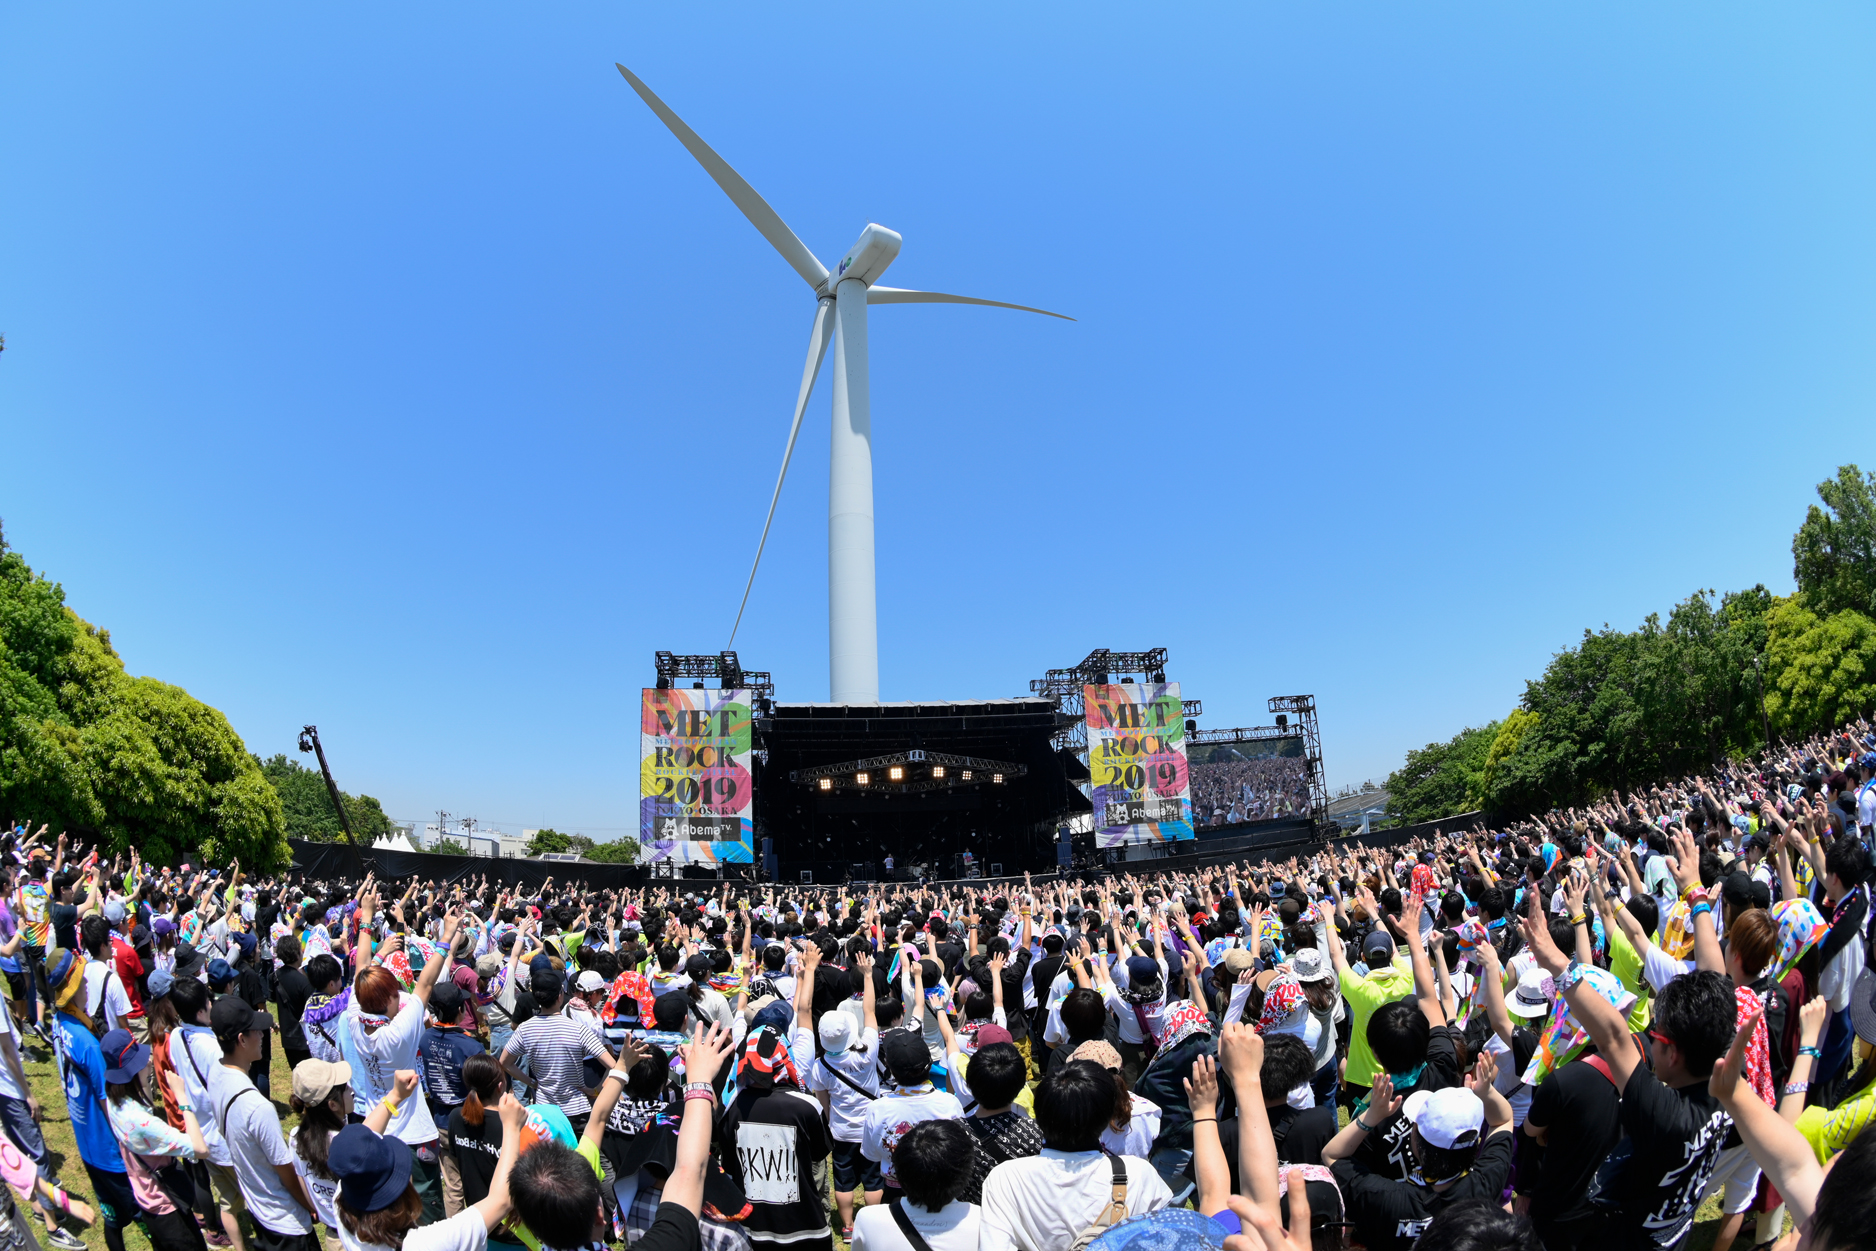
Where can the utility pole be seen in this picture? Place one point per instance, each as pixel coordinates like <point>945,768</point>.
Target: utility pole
<point>309,741</point>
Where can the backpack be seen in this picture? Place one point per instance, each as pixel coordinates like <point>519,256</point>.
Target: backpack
<point>1115,1211</point>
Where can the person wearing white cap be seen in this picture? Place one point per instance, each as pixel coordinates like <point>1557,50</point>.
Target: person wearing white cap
<point>1461,1149</point>
<point>845,1078</point>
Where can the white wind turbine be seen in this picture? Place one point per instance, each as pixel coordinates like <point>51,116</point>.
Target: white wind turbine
<point>840,302</point>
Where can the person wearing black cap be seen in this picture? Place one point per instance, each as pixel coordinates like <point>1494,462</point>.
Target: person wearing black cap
<point>909,1062</point>
<point>276,1197</point>
<point>443,1049</point>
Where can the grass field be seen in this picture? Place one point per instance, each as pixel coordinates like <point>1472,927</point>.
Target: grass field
<point>57,1127</point>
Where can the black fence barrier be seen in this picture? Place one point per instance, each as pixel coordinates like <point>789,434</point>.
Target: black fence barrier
<point>342,862</point>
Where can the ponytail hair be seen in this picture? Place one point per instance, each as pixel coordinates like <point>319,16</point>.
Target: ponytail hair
<point>482,1074</point>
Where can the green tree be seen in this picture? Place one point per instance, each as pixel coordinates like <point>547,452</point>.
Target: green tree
<point>129,760</point>
<point>1627,708</point>
<point>1440,779</point>
<point>1820,671</point>
<point>307,806</point>
<point>1834,552</point>
<point>447,847</point>
<point>623,851</point>
<point>548,840</point>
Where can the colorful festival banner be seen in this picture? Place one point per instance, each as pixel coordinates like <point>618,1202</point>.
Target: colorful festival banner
<point>1137,754</point>
<point>695,791</point>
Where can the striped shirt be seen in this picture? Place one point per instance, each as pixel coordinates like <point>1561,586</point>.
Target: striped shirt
<point>555,1047</point>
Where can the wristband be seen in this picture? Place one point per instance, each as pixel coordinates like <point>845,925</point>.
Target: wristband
<point>622,1074</point>
<point>1365,1127</point>
<point>1702,907</point>
<point>1579,918</point>
<point>700,1087</point>
<point>186,1108</point>
<point>1571,976</point>
<point>1794,1088</point>
<point>390,1104</point>
<point>706,1095</point>
<point>1816,1053</point>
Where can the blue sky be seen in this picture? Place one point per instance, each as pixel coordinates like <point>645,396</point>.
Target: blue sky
<point>392,367</point>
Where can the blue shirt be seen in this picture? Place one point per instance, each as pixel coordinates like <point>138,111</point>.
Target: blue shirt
<point>81,1063</point>
<point>441,1054</point>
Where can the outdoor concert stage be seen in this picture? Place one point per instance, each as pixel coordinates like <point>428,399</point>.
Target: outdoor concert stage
<point>733,781</point>
<point>838,788</point>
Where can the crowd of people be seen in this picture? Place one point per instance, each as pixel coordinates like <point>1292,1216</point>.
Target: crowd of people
<point>1564,1034</point>
<point>1228,789</point>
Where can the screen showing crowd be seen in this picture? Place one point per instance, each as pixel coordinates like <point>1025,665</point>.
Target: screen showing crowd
<point>1248,780</point>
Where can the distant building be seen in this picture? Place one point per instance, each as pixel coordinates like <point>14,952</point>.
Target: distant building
<point>515,846</point>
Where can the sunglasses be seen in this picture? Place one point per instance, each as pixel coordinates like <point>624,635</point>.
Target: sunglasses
<point>1659,1037</point>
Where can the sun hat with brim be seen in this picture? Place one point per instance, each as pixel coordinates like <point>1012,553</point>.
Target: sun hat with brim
<point>1306,963</point>
<point>189,961</point>
<point>65,975</point>
<point>837,1031</point>
<point>124,1056</point>
<point>373,1170</point>
<point>1863,1006</point>
<point>1097,1051</point>
<point>1531,997</point>
<point>1167,1227</point>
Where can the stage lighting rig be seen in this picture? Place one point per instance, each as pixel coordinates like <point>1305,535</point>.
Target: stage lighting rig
<point>909,773</point>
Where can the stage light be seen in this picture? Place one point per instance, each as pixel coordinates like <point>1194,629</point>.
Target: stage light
<point>827,784</point>
<point>896,773</point>
<point>937,771</point>
<point>966,775</point>
<point>996,777</point>
<point>860,779</point>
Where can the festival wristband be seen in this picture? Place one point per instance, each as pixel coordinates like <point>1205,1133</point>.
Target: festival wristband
<point>1816,1053</point>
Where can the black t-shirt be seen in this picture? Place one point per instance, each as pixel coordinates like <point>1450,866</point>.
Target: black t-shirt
<point>1390,1215</point>
<point>64,918</point>
<point>477,1148</point>
<point>292,990</point>
<point>1300,1136</point>
<point>773,1140</point>
<point>1384,1151</point>
<point>1579,1110</point>
<point>672,1229</point>
<point>1658,1174</point>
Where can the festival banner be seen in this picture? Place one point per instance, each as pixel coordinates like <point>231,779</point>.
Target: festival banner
<point>696,796</point>
<point>1137,755</point>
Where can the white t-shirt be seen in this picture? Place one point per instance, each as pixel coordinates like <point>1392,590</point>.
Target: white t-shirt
<point>375,1059</point>
<point>253,1131</point>
<point>846,1106</point>
<point>1510,1080</point>
<point>952,1227</point>
<point>1142,1129</point>
<point>888,1119</point>
<point>102,981</point>
<point>1040,1203</point>
<point>465,1231</point>
<point>323,1189</point>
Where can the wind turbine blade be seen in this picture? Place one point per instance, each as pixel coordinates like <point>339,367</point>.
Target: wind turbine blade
<point>754,207</point>
<point>817,349</point>
<point>899,295</point>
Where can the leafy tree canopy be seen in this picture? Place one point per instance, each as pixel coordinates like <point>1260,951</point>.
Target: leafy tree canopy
<point>1819,671</point>
<point>624,851</point>
<point>549,840</point>
<point>1440,779</point>
<point>1834,552</point>
<point>129,760</point>
<point>447,847</point>
<point>307,805</point>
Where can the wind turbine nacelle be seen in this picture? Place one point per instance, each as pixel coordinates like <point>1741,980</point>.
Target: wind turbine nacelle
<point>868,258</point>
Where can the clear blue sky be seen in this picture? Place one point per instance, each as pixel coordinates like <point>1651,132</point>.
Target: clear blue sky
<point>391,367</point>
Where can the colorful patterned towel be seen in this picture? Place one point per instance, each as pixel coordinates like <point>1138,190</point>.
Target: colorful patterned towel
<point>1563,1039</point>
